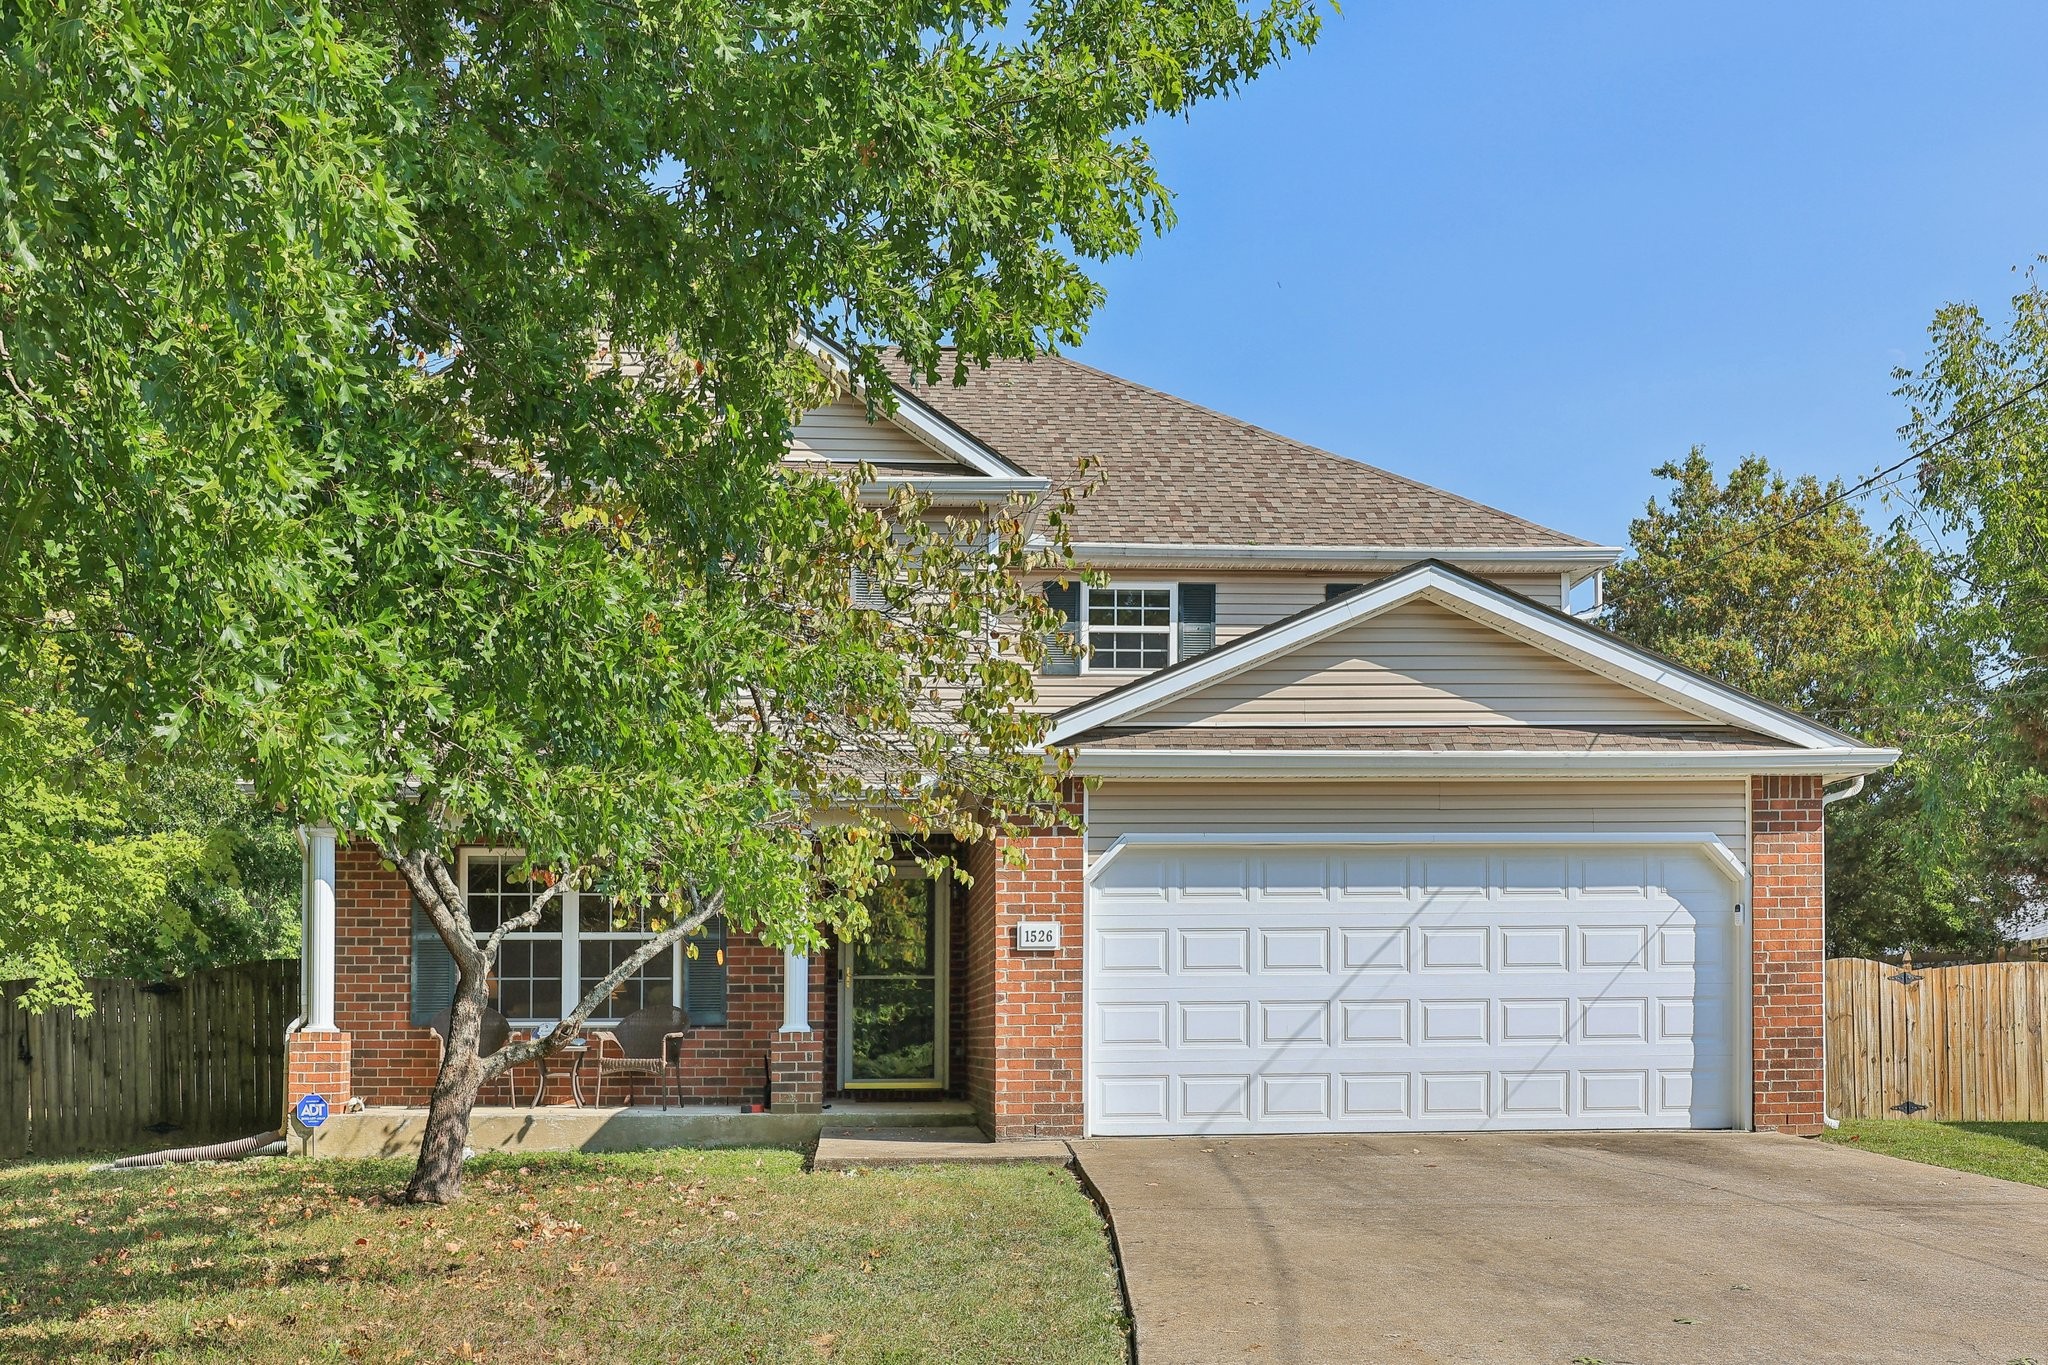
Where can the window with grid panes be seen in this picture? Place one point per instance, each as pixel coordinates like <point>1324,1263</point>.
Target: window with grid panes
<point>1130,628</point>
<point>527,984</point>
<point>611,931</point>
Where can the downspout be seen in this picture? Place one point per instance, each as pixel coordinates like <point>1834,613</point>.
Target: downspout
<point>1828,798</point>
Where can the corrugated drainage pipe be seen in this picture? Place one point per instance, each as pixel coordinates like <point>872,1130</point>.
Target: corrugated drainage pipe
<point>219,1151</point>
<point>1828,799</point>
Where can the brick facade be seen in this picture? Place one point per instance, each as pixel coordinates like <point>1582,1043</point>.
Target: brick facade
<point>317,1064</point>
<point>394,1061</point>
<point>1025,1017</point>
<point>1786,888</point>
<point>796,1073</point>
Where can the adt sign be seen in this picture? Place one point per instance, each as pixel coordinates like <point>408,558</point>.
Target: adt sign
<point>312,1111</point>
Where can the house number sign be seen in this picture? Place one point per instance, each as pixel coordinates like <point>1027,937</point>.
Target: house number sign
<point>1038,935</point>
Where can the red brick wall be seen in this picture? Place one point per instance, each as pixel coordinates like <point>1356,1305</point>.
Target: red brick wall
<point>316,1064</point>
<point>1025,1026</point>
<point>394,1061</point>
<point>1786,889</point>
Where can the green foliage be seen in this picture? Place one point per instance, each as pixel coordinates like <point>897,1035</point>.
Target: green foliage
<point>115,866</point>
<point>396,398</point>
<point>75,881</point>
<point>1980,405</point>
<point>1778,587</point>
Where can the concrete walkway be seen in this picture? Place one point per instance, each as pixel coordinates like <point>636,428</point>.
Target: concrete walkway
<point>1634,1248</point>
<point>843,1149</point>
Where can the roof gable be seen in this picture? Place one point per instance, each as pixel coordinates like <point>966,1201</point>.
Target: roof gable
<point>840,433</point>
<point>1515,620</point>
<point>1415,663</point>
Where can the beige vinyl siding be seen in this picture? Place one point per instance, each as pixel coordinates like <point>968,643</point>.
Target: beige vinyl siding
<point>1475,807</point>
<point>1547,588</point>
<point>840,432</point>
<point>1416,664</point>
<point>1244,603</point>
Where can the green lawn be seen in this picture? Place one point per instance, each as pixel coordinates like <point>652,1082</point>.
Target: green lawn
<point>2010,1151</point>
<point>712,1256</point>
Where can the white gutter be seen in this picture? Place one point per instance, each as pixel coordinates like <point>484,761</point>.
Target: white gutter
<point>1828,799</point>
<point>1251,764</point>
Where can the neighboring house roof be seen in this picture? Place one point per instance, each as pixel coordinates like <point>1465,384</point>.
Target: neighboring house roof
<point>1788,741</point>
<point>1179,474</point>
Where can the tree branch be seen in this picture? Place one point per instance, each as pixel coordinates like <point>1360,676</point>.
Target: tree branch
<point>517,1053</point>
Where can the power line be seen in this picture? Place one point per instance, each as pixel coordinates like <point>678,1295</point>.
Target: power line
<point>1866,485</point>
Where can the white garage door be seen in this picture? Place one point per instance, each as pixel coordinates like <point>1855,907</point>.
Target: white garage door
<point>1373,988</point>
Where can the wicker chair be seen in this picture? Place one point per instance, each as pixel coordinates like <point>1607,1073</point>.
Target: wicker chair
<point>644,1043</point>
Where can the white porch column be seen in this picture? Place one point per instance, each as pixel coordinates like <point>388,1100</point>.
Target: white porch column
<point>796,992</point>
<point>316,953</point>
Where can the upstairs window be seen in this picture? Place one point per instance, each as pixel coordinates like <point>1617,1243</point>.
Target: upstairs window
<point>1130,627</point>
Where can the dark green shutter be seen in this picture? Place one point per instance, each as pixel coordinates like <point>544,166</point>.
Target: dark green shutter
<point>1063,647</point>
<point>704,975</point>
<point>1197,619</point>
<point>433,968</point>
<point>1332,591</point>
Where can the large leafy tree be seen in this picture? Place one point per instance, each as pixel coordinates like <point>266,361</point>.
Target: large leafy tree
<point>116,863</point>
<point>1778,586</point>
<point>1979,411</point>
<point>396,396</point>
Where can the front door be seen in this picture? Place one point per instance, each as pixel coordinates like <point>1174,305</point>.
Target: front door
<point>892,991</point>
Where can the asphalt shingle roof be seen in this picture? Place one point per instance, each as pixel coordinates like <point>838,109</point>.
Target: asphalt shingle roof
<point>1179,474</point>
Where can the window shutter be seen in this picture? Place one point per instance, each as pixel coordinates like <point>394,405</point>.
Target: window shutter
<point>1332,591</point>
<point>1197,619</point>
<point>1063,647</point>
<point>704,974</point>
<point>865,594</point>
<point>433,968</point>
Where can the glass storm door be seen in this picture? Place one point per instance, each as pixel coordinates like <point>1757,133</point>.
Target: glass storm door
<point>892,1033</point>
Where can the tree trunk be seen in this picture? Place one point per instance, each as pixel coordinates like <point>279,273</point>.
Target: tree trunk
<point>437,1179</point>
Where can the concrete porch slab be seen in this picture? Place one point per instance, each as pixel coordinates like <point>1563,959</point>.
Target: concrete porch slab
<point>915,1146</point>
<point>395,1132</point>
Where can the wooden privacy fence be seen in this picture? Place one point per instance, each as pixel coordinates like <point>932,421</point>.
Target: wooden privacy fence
<point>199,1057</point>
<point>1961,1043</point>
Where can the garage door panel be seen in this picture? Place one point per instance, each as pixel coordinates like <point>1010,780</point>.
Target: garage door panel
<point>1294,1023</point>
<point>1536,1094</point>
<point>1543,995</point>
<point>1374,949</point>
<point>1130,952</point>
<point>1294,950</point>
<point>1216,1023</point>
<point>1209,951</point>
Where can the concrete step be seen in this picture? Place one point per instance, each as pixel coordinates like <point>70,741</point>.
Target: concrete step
<point>920,1145</point>
<point>841,1115</point>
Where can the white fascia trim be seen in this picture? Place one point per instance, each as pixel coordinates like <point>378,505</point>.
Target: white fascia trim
<point>1589,558</point>
<point>1257,764</point>
<point>1565,638</point>
<point>924,423</point>
<point>1718,853</point>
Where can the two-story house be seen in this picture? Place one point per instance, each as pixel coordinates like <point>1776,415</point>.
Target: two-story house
<point>1377,835</point>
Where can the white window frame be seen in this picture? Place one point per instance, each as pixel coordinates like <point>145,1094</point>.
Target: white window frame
<point>571,936</point>
<point>1172,631</point>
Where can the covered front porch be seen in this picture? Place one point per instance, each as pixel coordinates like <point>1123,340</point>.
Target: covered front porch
<point>394,1130</point>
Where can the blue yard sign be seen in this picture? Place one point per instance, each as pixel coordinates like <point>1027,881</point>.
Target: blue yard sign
<point>312,1111</point>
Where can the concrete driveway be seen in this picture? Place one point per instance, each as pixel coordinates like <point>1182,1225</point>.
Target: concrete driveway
<point>1638,1248</point>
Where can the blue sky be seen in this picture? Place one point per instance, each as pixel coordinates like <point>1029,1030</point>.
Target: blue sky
<point>1527,251</point>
